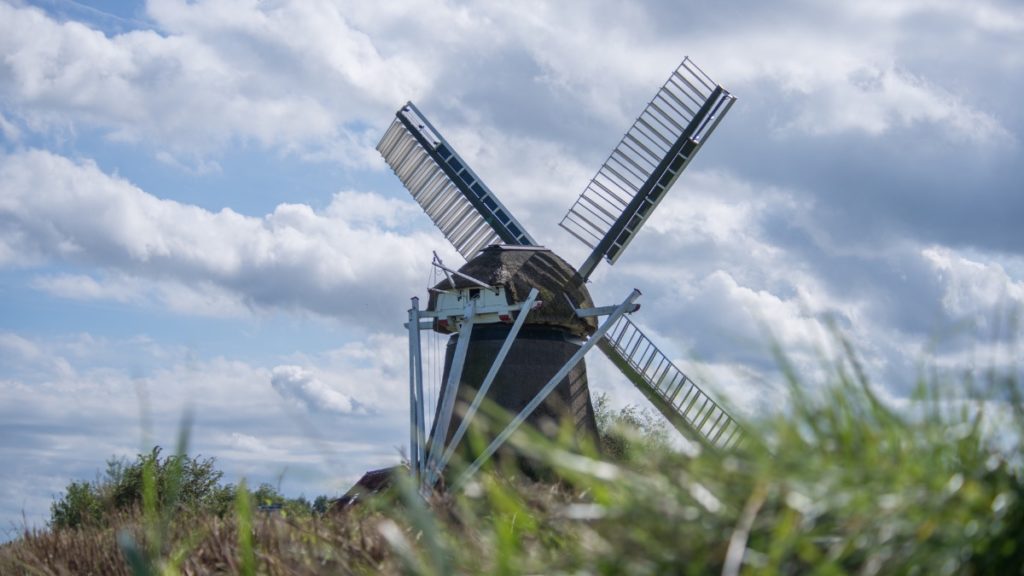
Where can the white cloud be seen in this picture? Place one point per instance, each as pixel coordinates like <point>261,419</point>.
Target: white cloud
<point>365,209</point>
<point>841,68</point>
<point>290,76</point>
<point>305,77</point>
<point>20,353</point>
<point>8,130</point>
<point>301,386</point>
<point>248,443</point>
<point>977,290</point>
<point>343,261</point>
<point>14,344</point>
<point>200,298</point>
<point>718,209</point>
<point>82,287</point>
<point>372,370</point>
<point>988,16</point>
<point>197,165</point>
<point>836,83</point>
<point>876,99</point>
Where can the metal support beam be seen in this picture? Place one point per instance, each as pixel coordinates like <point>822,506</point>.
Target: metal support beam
<point>602,311</point>
<point>547,389</point>
<point>489,378</point>
<point>437,260</point>
<point>447,270</point>
<point>417,432</point>
<point>502,309</point>
<point>415,390</point>
<point>424,324</point>
<point>444,414</point>
<point>414,359</point>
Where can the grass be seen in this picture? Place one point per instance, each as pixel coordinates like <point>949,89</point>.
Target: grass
<point>839,483</point>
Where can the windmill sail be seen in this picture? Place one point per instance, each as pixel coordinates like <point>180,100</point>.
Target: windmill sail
<point>674,394</point>
<point>647,161</point>
<point>459,203</point>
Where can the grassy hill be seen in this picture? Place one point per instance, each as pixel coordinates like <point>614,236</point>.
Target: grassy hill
<point>838,483</point>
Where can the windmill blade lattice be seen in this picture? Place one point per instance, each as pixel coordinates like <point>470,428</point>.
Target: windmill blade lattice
<point>460,204</point>
<point>671,391</point>
<point>647,161</point>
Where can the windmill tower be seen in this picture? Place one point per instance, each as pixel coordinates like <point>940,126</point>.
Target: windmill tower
<point>521,317</point>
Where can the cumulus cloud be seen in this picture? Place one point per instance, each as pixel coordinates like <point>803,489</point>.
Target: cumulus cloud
<point>295,383</point>
<point>304,77</point>
<point>973,289</point>
<point>827,81</point>
<point>878,99</point>
<point>294,76</point>
<point>345,261</point>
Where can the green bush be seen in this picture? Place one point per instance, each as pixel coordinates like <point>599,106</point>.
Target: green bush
<point>191,483</point>
<point>629,432</point>
<point>81,505</point>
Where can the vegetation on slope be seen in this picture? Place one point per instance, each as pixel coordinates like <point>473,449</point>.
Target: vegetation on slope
<point>838,484</point>
<point>193,483</point>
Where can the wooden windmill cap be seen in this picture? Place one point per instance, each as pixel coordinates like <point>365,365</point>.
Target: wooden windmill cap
<point>519,268</point>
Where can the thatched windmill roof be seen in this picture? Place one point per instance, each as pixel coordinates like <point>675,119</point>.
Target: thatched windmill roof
<point>519,268</point>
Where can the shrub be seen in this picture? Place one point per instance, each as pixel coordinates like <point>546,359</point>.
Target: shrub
<point>191,483</point>
<point>81,505</point>
<point>630,431</point>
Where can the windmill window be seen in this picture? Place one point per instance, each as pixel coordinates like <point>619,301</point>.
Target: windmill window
<point>455,164</point>
<point>443,152</point>
<point>478,190</point>
<point>666,179</point>
<point>490,203</point>
<point>515,230</point>
<point>677,163</point>
<point>501,216</point>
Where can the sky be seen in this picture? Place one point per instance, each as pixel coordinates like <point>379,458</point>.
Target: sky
<point>194,222</point>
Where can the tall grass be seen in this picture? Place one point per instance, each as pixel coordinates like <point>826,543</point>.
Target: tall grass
<point>838,483</point>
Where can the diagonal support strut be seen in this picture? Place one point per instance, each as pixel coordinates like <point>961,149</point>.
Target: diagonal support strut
<point>489,378</point>
<point>547,389</point>
<point>444,415</point>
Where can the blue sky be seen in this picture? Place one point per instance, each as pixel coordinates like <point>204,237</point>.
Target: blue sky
<point>193,215</point>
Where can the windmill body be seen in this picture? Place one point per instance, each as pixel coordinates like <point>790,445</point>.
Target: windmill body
<point>521,317</point>
<point>550,335</point>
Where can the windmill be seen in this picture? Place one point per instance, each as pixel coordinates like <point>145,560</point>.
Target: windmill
<point>520,316</point>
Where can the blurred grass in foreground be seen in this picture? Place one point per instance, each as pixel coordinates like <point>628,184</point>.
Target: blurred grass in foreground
<point>839,483</point>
